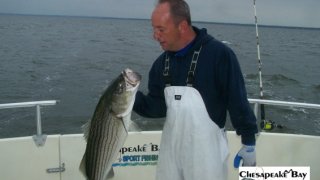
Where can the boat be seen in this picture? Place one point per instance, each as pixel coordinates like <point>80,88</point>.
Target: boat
<point>58,156</point>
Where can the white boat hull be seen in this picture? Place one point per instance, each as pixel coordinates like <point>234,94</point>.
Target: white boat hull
<point>20,158</point>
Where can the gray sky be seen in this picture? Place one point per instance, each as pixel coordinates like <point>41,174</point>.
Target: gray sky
<point>301,13</point>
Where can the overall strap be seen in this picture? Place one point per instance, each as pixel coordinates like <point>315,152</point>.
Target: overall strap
<point>190,76</point>
<point>166,75</point>
<point>193,65</point>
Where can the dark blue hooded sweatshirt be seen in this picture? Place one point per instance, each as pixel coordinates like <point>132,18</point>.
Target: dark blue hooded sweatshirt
<point>217,77</point>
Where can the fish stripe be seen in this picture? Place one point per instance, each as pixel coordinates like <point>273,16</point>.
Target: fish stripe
<point>107,140</point>
<point>101,148</point>
<point>103,144</point>
<point>95,142</point>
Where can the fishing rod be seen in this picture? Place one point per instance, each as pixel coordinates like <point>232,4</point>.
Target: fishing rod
<point>265,124</point>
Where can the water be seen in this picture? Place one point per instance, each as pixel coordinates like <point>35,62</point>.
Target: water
<point>72,59</point>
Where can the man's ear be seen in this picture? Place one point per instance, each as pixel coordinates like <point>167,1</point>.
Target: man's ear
<point>183,26</point>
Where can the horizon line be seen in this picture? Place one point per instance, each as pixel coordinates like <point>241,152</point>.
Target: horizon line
<point>195,21</point>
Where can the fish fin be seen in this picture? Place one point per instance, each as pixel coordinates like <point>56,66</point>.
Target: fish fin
<point>82,167</point>
<point>110,174</point>
<point>133,127</point>
<point>129,125</point>
<point>86,129</point>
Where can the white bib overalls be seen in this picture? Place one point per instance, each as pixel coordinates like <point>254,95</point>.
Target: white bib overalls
<point>192,146</point>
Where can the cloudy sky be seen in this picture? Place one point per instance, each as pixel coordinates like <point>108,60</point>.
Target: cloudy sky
<point>300,13</point>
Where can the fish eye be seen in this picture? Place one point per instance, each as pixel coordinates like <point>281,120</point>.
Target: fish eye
<point>121,88</point>
<point>128,84</point>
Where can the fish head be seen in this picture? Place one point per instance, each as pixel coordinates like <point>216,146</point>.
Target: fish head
<point>131,78</point>
<point>124,94</point>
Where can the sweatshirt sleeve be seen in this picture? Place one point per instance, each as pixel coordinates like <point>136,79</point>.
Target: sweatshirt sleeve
<point>241,114</point>
<point>152,105</point>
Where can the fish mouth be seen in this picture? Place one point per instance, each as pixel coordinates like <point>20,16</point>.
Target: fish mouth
<point>131,77</point>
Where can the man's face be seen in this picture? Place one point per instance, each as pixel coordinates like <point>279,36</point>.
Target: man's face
<point>165,31</point>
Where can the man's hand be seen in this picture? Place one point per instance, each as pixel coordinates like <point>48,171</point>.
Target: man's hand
<point>247,154</point>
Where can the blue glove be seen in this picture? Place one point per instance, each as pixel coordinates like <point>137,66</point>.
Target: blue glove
<point>247,154</point>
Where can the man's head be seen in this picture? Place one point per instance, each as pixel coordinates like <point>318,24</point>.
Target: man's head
<point>171,24</point>
<point>179,9</point>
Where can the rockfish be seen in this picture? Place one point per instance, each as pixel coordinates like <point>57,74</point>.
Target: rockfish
<point>107,131</point>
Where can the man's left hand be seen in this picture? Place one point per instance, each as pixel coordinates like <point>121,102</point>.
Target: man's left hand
<point>247,154</point>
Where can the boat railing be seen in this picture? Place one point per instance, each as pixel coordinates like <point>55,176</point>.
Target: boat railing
<point>39,138</point>
<point>257,102</point>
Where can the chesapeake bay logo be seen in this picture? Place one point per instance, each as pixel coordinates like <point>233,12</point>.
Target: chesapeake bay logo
<point>139,155</point>
<point>274,173</point>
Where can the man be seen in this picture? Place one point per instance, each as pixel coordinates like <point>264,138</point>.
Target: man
<point>194,83</point>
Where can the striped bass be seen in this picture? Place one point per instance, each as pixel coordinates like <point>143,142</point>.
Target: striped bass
<point>107,131</point>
